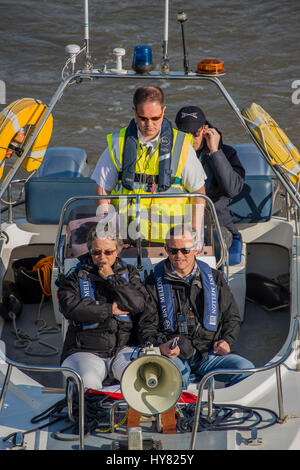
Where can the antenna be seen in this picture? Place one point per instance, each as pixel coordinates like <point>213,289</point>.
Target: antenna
<point>182,17</point>
<point>88,64</point>
<point>165,61</point>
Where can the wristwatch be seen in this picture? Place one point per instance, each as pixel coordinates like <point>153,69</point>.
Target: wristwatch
<point>110,277</point>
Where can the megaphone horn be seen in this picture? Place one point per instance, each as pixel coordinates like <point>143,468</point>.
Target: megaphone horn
<point>152,384</point>
<point>151,373</point>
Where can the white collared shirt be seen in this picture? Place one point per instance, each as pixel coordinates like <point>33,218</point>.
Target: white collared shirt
<point>153,143</point>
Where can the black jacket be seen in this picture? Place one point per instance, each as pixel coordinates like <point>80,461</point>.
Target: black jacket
<point>225,179</point>
<point>190,296</point>
<point>110,334</point>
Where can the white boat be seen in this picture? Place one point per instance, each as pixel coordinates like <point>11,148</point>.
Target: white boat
<point>268,255</point>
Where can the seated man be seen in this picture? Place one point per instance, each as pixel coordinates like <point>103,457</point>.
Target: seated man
<point>225,173</point>
<point>191,302</point>
<point>100,298</point>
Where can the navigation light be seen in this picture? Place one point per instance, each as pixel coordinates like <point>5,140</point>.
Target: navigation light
<point>142,59</point>
<point>210,66</point>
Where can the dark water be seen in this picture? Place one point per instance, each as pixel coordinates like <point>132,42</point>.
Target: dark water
<point>258,41</point>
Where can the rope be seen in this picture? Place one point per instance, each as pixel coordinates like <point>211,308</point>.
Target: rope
<point>44,271</point>
<point>115,425</point>
<point>96,415</point>
<point>226,417</point>
<point>24,340</point>
<point>55,412</point>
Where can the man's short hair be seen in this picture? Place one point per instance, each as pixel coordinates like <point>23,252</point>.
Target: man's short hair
<point>177,231</point>
<point>148,93</point>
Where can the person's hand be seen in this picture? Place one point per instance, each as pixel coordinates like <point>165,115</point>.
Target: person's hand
<point>117,311</point>
<point>212,138</point>
<point>221,347</point>
<point>105,270</point>
<point>166,351</point>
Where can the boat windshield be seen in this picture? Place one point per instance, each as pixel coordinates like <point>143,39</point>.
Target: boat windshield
<point>125,224</point>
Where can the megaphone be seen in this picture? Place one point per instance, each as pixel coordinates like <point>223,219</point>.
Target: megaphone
<point>152,384</point>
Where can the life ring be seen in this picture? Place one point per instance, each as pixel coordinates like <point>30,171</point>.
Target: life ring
<point>27,114</point>
<point>269,135</point>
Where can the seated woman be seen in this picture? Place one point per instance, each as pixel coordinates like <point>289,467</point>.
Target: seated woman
<point>100,298</point>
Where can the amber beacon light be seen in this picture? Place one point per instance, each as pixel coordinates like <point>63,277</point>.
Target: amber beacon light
<point>210,66</point>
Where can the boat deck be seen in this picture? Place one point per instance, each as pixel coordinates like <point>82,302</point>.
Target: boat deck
<point>262,335</point>
<point>262,332</point>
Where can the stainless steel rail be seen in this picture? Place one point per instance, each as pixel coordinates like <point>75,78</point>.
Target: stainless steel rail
<point>81,75</point>
<point>19,365</point>
<point>273,365</point>
<point>138,198</point>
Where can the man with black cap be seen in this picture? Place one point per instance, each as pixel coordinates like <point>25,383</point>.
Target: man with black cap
<point>224,171</point>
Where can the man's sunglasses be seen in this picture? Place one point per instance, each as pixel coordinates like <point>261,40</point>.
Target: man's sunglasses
<point>154,118</point>
<point>105,252</point>
<point>196,134</point>
<point>184,251</point>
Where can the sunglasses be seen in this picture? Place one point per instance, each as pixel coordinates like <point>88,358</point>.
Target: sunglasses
<point>184,251</point>
<point>154,118</point>
<point>105,252</point>
<point>196,134</point>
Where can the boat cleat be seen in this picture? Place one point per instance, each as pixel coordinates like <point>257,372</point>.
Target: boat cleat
<point>254,440</point>
<point>17,440</point>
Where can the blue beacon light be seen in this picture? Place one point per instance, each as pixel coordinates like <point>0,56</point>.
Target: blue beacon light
<point>142,59</point>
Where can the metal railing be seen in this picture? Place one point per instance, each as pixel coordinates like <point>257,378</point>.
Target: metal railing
<point>9,203</point>
<point>277,364</point>
<point>223,250</point>
<point>86,75</point>
<point>32,368</point>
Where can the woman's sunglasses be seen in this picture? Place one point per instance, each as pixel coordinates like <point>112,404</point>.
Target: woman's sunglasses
<point>105,252</point>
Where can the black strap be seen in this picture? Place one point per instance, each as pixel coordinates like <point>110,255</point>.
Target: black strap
<point>130,155</point>
<point>144,178</point>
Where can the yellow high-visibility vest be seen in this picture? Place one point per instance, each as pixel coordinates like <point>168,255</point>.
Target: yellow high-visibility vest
<point>157,214</point>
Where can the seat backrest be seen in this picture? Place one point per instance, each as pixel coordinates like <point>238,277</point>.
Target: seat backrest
<point>45,197</point>
<point>252,160</point>
<point>255,201</point>
<point>63,162</point>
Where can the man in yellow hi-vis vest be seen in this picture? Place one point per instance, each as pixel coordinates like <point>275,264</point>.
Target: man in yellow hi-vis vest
<point>150,157</point>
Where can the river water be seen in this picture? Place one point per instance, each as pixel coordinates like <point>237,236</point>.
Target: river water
<point>258,41</point>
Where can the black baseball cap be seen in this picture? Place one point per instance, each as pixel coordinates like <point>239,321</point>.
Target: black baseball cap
<point>190,119</point>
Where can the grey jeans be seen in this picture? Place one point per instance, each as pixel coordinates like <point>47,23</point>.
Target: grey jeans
<point>94,369</point>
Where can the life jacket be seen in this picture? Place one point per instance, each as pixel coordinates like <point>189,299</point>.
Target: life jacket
<point>87,289</point>
<point>166,300</point>
<point>140,174</point>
